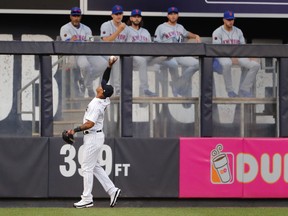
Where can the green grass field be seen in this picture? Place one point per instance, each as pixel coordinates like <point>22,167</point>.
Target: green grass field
<point>179,211</point>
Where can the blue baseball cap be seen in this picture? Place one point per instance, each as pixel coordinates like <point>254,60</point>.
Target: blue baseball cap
<point>108,90</point>
<point>76,11</point>
<point>117,9</point>
<point>229,15</point>
<point>172,10</point>
<point>136,12</point>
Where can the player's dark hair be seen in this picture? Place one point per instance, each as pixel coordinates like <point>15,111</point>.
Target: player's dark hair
<point>129,23</point>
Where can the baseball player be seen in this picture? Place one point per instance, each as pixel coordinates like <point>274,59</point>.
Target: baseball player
<point>139,34</point>
<point>172,32</point>
<point>91,67</point>
<point>229,34</point>
<point>115,30</point>
<point>92,128</point>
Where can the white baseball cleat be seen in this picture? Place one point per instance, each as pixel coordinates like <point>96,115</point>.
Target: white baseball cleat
<point>83,204</point>
<point>114,197</point>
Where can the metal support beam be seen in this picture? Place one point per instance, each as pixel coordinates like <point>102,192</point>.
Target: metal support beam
<point>46,106</point>
<point>126,97</point>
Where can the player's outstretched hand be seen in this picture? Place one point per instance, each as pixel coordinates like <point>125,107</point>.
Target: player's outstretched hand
<point>112,60</point>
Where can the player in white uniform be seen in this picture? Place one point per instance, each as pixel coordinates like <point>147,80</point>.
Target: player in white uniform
<point>115,31</point>
<point>91,67</point>
<point>139,34</point>
<point>229,34</point>
<point>94,137</point>
<point>172,32</point>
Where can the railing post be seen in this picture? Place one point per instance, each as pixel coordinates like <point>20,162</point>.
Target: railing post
<point>46,106</point>
<point>283,97</point>
<point>206,74</point>
<point>126,97</point>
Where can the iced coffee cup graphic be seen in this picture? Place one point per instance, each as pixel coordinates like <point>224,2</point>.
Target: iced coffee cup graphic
<point>221,165</point>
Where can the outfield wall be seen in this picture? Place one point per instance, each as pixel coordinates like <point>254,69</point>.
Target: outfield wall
<point>148,168</point>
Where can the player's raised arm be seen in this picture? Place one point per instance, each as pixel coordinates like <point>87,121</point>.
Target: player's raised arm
<point>106,74</point>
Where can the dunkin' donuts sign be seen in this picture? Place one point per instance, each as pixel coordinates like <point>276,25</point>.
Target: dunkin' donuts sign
<point>233,167</point>
<point>221,165</point>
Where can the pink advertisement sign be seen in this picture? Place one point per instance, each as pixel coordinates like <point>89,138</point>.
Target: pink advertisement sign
<point>233,167</point>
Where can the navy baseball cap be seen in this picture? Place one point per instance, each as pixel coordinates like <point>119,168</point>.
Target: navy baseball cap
<point>108,90</point>
<point>136,12</point>
<point>76,11</point>
<point>117,9</point>
<point>172,10</point>
<point>228,15</point>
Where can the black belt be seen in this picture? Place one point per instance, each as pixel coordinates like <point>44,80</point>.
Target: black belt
<point>87,132</point>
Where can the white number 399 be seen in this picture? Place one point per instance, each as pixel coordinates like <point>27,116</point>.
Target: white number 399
<point>69,167</point>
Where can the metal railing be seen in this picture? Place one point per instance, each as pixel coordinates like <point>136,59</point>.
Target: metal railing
<point>32,83</point>
<point>244,102</point>
<point>19,102</point>
<point>151,101</point>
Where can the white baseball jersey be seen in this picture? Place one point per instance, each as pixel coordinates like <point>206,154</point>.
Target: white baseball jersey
<point>93,142</point>
<point>83,33</point>
<point>170,34</point>
<point>140,35</point>
<point>221,36</point>
<point>108,28</point>
<point>95,112</point>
